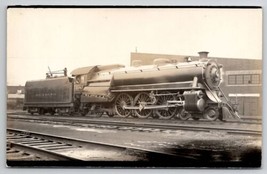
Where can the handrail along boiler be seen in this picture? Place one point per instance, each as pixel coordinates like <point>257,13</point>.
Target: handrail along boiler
<point>162,90</point>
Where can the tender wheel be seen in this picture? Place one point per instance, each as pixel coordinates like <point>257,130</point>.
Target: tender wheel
<point>71,113</point>
<point>122,101</point>
<point>84,112</point>
<point>211,114</point>
<point>166,113</point>
<point>183,115</point>
<point>52,112</point>
<point>60,112</point>
<point>41,111</point>
<point>84,109</point>
<point>140,100</point>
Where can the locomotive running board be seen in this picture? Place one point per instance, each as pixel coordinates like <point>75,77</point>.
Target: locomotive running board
<point>149,107</point>
<point>156,87</point>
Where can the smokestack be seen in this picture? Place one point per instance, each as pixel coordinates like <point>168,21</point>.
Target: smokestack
<point>203,54</point>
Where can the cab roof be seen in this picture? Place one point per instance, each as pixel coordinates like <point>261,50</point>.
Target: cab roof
<point>97,68</point>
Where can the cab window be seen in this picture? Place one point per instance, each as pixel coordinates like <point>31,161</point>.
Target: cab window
<point>80,79</point>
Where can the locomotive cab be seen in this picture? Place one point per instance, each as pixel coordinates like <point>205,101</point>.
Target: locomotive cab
<point>80,79</point>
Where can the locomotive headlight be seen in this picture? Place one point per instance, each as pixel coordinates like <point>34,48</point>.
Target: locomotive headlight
<point>215,75</point>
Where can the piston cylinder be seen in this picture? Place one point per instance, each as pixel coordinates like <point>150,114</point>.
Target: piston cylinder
<point>194,101</point>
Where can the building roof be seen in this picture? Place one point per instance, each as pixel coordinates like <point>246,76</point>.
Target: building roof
<point>228,63</point>
<point>14,96</point>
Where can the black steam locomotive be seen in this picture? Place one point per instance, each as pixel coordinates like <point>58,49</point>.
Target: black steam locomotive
<point>163,90</point>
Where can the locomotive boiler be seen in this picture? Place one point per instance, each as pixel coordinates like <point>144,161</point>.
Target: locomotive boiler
<point>163,90</point>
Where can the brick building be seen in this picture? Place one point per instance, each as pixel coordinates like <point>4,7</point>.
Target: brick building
<point>15,97</point>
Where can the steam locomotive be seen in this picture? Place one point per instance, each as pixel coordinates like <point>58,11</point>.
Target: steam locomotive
<point>163,90</point>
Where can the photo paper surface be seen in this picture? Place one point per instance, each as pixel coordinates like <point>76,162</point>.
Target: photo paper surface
<point>134,87</point>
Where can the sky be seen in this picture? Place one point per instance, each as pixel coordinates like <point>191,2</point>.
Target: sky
<point>73,38</point>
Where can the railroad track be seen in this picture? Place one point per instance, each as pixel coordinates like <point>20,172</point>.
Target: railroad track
<point>243,120</point>
<point>142,126</point>
<point>27,145</point>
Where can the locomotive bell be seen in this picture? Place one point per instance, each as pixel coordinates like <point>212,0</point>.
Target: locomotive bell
<point>161,62</point>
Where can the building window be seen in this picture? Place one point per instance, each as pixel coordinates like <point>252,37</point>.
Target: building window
<point>231,79</point>
<point>241,79</point>
<point>247,79</point>
<point>255,79</point>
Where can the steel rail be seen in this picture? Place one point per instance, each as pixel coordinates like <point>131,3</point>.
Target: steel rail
<point>188,127</point>
<point>243,120</point>
<point>105,146</point>
<point>43,152</point>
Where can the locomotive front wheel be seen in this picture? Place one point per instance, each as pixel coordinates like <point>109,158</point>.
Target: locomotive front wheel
<point>166,113</point>
<point>195,118</point>
<point>140,101</point>
<point>183,115</point>
<point>121,102</point>
<point>211,114</point>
